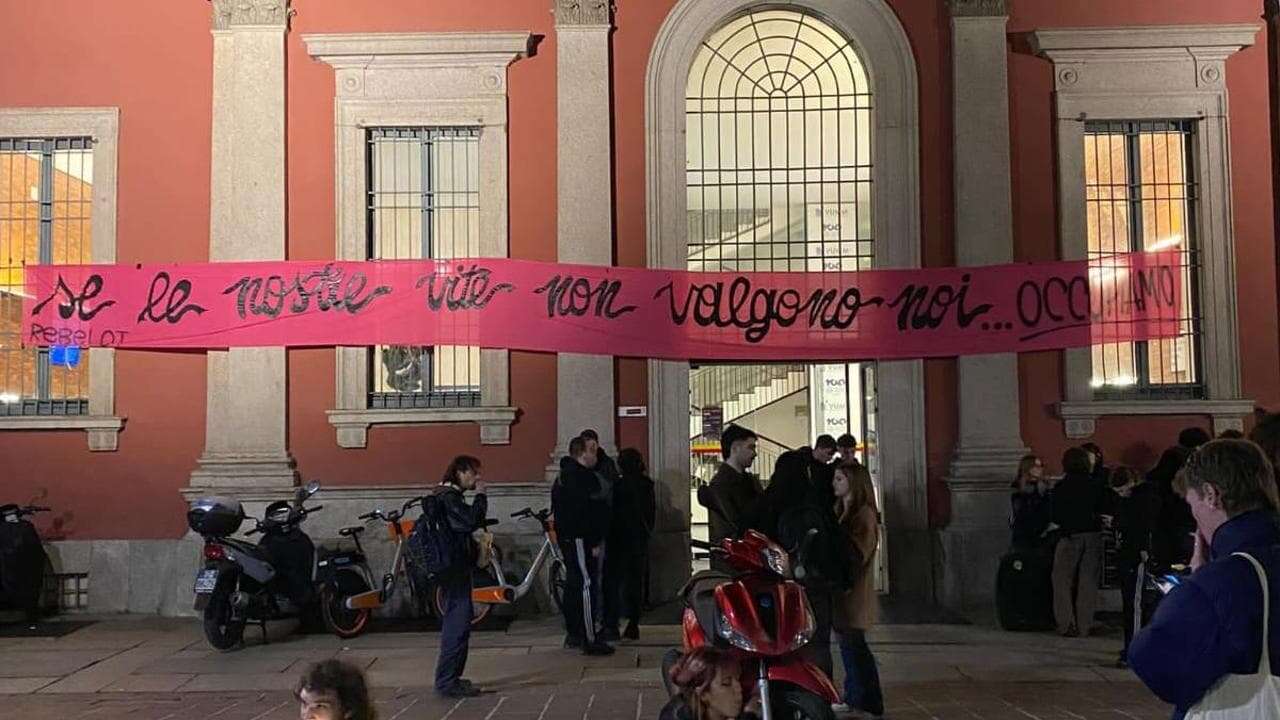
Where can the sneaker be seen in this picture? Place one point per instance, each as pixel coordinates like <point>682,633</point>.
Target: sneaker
<point>459,691</point>
<point>597,649</point>
<point>632,632</point>
<point>573,642</point>
<point>608,635</point>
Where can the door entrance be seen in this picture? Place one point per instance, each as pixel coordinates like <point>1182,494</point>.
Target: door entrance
<point>787,406</point>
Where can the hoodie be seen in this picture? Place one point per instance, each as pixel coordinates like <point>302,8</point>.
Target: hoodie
<point>578,504</point>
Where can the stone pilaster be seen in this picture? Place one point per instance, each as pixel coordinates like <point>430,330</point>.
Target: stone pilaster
<point>990,442</point>
<point>584,206</point>
<point>245,427</point>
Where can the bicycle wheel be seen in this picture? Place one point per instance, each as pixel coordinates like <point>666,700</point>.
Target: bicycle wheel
<point>340,620</point>
<point>479,610</point>
<point>556,583</point>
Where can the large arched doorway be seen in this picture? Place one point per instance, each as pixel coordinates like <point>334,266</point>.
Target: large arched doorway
<point>779,177</point>
<point>708,210</point>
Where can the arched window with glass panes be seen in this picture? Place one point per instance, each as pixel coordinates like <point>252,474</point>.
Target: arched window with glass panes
<point>779,148</point>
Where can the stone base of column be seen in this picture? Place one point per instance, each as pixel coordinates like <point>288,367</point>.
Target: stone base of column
<point>244,471</point>
<point>978,534</point>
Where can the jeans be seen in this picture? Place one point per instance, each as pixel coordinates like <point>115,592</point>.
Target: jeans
<point>455,629</point>
<point>861,678</point>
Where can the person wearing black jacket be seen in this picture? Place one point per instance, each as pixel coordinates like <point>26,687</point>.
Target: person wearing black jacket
<point>733,498</point>
<point>463,474</point>
<point>1138,512</point>
<point>609,568</point>
<point>1077,561</point>
<point>627,549</point>
<point>1171,539</point>
<point>582,522</point>
<point>822,472</point>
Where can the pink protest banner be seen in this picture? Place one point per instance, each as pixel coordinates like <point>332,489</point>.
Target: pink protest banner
<point>873,315</point>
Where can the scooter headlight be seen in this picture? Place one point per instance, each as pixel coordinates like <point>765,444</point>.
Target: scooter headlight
<point>732,636</point>
<point>803,637</point>
<point>775,558</point>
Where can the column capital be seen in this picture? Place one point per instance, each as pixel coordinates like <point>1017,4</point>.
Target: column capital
<point>230,14</point>
<point>583,12</point>
<point>978,8</point>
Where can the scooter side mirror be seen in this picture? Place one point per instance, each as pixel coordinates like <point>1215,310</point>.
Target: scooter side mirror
<point>311,488</point>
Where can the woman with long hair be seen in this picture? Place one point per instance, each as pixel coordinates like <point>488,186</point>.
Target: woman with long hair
<point>856,608</point>
<point>708,687</point>
<point>462,519</point>
<point>1030,512</point>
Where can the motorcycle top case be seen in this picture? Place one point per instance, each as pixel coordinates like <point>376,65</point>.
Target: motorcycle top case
<point>217,516</point>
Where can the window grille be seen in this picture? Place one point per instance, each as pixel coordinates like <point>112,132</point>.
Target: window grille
<point>778,133</point>
<point>46,206</point>
<point>423,202</point>
<point>1141,195</point>
<point>778,140</point>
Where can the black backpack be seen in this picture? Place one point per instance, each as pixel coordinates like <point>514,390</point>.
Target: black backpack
<point>433,546</point>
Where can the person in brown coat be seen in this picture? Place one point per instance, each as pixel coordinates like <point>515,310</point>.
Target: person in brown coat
<point>856,608</point>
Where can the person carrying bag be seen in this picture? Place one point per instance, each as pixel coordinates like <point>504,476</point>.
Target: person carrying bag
<point>1245,697</point>
<point>1208,649</point>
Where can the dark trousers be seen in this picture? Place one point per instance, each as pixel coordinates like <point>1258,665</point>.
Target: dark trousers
<point>581,589</point>
<point>623,576</point>
<point>861,678</point>
<point>818,651</point>
<point>455,630</point>
<point>1136,613</point>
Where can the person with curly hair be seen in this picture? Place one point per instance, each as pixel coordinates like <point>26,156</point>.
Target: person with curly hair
<point>334,690</point>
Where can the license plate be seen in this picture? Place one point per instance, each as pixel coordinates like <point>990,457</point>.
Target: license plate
<point>206,581</point>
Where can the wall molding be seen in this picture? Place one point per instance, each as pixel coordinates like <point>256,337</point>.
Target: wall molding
<point>419,79</point>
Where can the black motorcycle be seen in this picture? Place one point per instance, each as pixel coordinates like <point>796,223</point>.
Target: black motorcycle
<point>22,560</point>
<point>242,583</point>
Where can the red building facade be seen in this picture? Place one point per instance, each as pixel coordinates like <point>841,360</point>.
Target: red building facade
<point>990,132</point>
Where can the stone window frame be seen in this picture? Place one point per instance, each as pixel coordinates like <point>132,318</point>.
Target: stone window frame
<point>419,79</point>
<point>881,41</point>
<point>102,126</point>
<point>1153,73</point>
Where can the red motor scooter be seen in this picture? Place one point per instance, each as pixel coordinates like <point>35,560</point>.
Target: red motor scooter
<point>763,617</point>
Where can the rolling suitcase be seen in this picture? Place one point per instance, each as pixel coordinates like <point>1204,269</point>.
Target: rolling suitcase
<point>1024,590</point>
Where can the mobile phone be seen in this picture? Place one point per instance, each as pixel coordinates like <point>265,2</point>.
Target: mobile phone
<point>1166,583</point>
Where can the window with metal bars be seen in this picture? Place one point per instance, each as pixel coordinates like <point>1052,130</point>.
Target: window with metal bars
<point>423,202</point>
<point>778,112</point>
<point>46,206</point>
<point>779,176</point>
<point>1141,195</point>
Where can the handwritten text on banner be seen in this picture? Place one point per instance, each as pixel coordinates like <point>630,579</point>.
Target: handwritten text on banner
<point>881,314</point>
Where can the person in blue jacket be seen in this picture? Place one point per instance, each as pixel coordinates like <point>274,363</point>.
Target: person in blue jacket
<point>1211,626</point>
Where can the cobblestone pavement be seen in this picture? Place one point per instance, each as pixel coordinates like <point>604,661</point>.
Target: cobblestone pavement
<point>154,669</point>
<point>606,701</point>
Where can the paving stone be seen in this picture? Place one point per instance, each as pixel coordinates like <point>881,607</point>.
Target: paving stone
<point>31,663</point>
<point>148,683</point>
<point>22,685</point>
